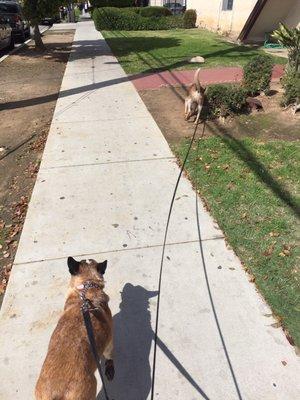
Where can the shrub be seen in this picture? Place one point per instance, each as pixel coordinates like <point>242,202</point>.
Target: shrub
<point>291,86</point>
<point>257,74</point>
<point>225,99</point>
<point>154,11</point>
<point>111,18</point>
<point>112,3</point>
<point>190,18</point>
<point>136,10</point>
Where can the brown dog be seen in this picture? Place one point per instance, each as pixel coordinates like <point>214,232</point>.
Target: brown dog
<point>195,99</point>
<point>69,368</point>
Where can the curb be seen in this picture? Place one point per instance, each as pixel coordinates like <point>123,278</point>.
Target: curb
<point>20,46</point>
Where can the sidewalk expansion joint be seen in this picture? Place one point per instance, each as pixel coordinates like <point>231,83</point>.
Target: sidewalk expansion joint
<point>117,251</point>
<point>108,162</point>
<point>54,121</point>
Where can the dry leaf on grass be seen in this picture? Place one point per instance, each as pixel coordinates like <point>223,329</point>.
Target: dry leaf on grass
<point>269,250</point>
<point>274,234</point>
<point>230,186</point>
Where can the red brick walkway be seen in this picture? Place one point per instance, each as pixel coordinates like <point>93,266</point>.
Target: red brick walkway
<point>207,76</point>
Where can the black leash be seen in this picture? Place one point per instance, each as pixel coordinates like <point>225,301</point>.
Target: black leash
<point>163,253</point>
<point>211,297</point>
<point>85,309</point>
<point>86,305</point>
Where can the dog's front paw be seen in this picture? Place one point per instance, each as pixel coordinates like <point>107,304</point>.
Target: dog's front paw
<point>109,369</point>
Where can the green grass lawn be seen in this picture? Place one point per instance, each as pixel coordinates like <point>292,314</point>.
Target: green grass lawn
<point>251,187</point>
<point>145,51</point>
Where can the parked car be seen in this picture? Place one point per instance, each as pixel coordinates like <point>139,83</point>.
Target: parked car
<point>50,20</point>
<point>12,11</point>
<point>175,8</point>
<point>6,37</point>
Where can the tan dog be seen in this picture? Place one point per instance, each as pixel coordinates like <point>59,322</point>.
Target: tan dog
<point>195,99</point>
<point>69,368</point>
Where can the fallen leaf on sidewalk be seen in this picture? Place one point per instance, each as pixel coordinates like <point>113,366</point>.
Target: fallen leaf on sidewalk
<point>276,325</point>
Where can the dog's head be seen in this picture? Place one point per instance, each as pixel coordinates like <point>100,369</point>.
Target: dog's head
<point>86,270</point>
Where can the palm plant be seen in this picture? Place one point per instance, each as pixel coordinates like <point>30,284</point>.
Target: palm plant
<point>289,38</point>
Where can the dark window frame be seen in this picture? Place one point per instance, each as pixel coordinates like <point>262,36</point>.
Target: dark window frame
<point>227,5</point>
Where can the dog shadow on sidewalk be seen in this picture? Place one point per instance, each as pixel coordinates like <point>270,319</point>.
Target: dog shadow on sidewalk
<point>133,338</point>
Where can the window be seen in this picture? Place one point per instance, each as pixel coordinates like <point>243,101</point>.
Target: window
<point>227,5</point>
<point>6,8</point>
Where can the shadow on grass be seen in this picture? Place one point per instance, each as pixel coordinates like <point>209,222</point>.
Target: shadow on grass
<point>257,167</point>
<point>84,49</point>
<point>136,44</point>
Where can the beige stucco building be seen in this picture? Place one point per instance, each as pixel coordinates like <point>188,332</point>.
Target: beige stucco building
<point>267,17</point>
<point>227,16</point>
<point>247,20</point>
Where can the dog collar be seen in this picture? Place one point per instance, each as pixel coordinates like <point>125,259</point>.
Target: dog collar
<point>82,290</point>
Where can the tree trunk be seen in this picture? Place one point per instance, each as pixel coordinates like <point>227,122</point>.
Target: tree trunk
<point>38,38</point>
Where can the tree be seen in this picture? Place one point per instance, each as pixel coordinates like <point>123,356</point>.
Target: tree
<point>35,10</point>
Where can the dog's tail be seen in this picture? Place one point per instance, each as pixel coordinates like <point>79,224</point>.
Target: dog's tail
<point>197,80</point>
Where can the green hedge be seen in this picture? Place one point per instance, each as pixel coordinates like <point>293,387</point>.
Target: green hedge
<point>154,11</point>
<point>257,74</point>
<point>225,99</point>
<point>291,85</point>
<point>112,3</point>
<point>112,18</point>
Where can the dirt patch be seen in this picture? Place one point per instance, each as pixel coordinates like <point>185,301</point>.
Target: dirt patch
<point>30,83</point>
<point>166,106</point>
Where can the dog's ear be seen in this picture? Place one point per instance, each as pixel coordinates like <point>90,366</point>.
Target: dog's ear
<point>73,266</point>
<point>101,267</point>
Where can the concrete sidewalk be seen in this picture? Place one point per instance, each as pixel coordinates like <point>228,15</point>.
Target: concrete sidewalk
<point>103,191</point>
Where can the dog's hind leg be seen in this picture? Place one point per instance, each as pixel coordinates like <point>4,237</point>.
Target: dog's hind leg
<point>186,108</point>
<point>198,114</point>
<point>109,363</point>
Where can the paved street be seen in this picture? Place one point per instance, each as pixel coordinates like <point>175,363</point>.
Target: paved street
<point>103,191</point>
